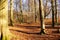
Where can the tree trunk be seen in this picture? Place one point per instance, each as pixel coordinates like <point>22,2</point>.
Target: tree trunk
<point>21,15</point>
<point>52,6</point>
<point>18,15</point>
<point>41,8</point>
<point>11,12</point>
<point>45,8</point>
<point>56,14</point>
<point>4,20</point>
<point>35,11</point>
<point>29,11</point>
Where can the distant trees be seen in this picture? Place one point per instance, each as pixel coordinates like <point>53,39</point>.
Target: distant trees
<point>35,11</point>
<point>18,14</point>
<point>41,9</point>
<point>31,10</point>
<point>45,8</point>
<point>4,20</point>
<point>21,12</point>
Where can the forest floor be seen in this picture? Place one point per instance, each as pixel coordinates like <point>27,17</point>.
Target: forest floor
<point>26,32</point>
<point>32,32</point>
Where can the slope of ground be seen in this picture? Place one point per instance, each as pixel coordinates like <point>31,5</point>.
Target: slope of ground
<point>24,36</point>
<point>26,32</point>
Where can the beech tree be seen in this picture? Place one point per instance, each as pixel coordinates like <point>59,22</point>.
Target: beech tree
<point>11,12</point>
<point>21,12</point>
<point>4,20</point>
<point>41,9</point>
<point>33,10</point>
<point>56,14</point>
<point>52,6</point>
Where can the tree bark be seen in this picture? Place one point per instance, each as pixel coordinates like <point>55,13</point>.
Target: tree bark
<point>21,12</point>
<point>56,14</point>
<point>45,8</point>
<point>41,8</point>
<point>4,20</point>
<point>11,12</point>
<point>35,11</point>
<point>52,6</point>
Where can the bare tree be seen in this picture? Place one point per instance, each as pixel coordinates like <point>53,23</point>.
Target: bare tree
<point>41,8</point>
<point>35,10</point>
<point>4,20</point>
<point>11,12</point>
<point>18,15</point>
<point>21,13</point>
<point>45,7</point>
<point>52,6</point>
<point>56,14</point>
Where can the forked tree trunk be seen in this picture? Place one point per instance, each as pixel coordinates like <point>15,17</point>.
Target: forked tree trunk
<point>4,20</point>
<point>41,8</point>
